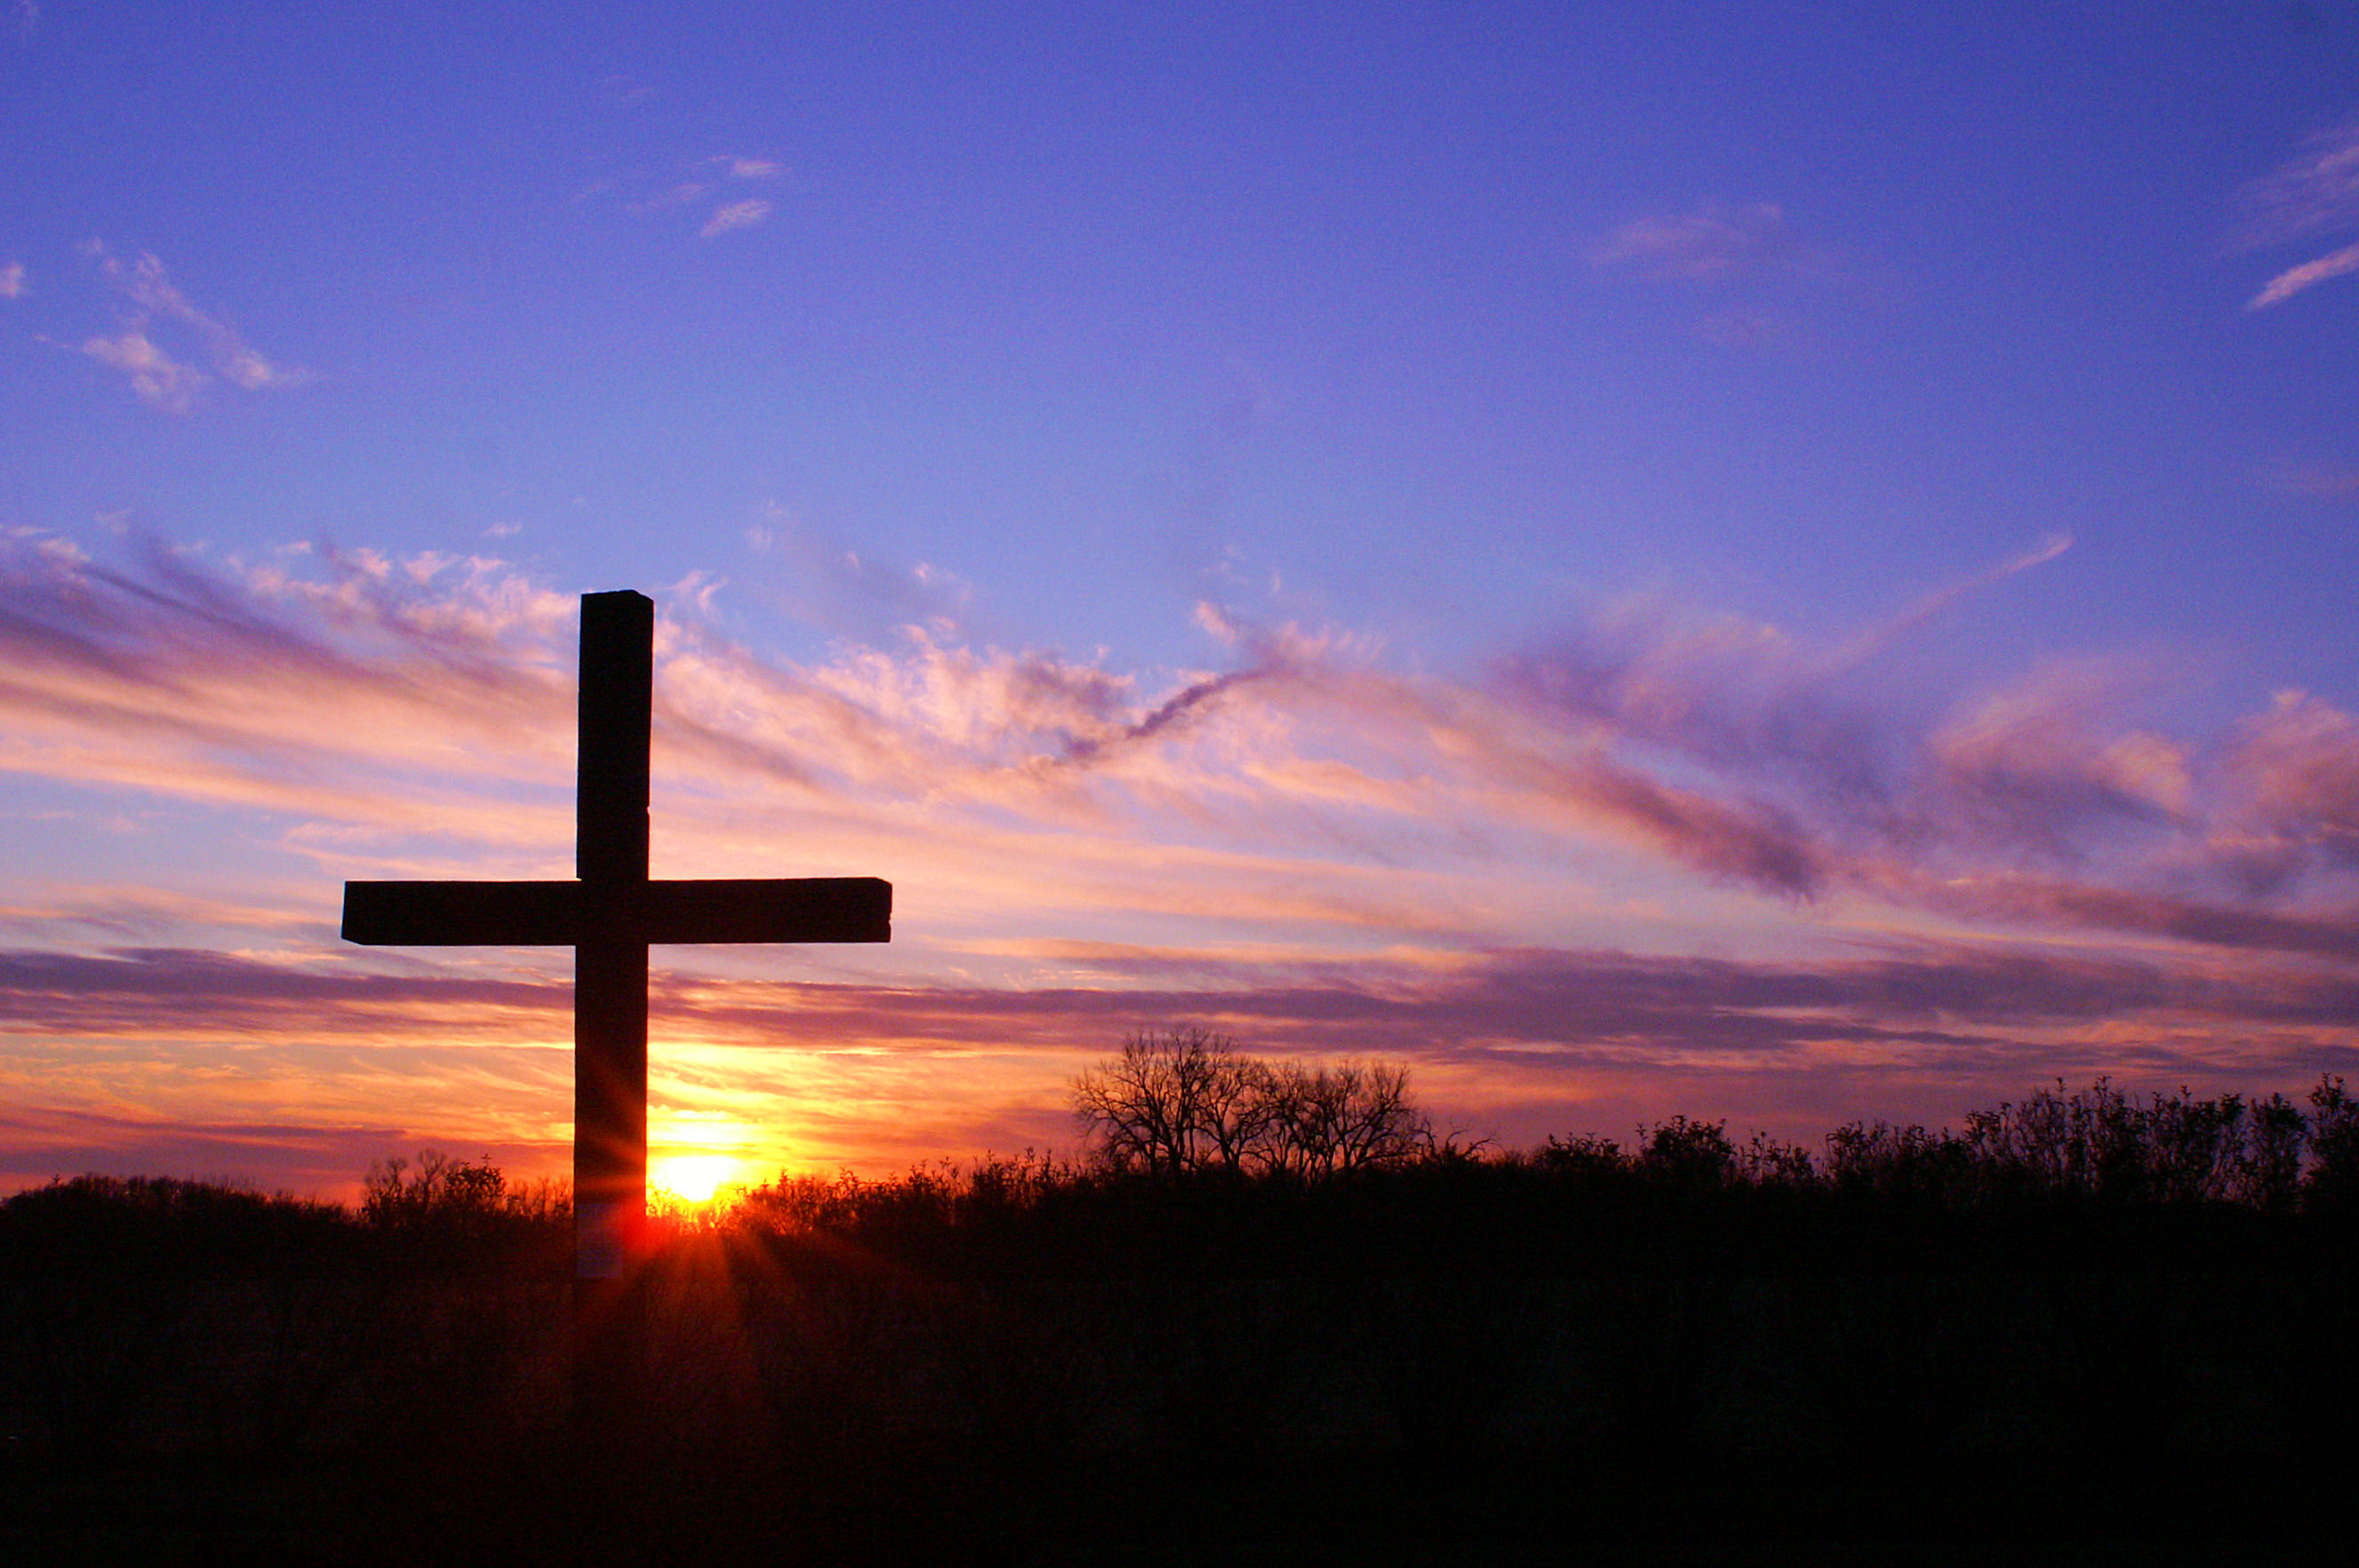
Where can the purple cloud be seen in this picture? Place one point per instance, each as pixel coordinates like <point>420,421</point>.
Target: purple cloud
<point>1714,242</point>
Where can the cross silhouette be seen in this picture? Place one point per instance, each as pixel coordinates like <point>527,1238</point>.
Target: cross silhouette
<point>608,915</point>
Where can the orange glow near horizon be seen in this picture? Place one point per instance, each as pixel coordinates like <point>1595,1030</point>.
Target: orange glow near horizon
<point>696,1179</point>
<point>696,1157</point>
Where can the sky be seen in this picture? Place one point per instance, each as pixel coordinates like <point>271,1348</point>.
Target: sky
<point>1789,563</point>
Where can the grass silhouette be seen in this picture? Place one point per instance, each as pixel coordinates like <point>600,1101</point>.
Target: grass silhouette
<point>1903,1336</point>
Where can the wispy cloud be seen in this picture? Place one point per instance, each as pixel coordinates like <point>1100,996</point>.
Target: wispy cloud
<point>1309,840</point>
<point>1716,241</point>
<point>1725,750</point>
<point>1517,1040</point>
<point>1933,604</point>
<point>679,195</point>
<point>2308,275</point>
<point>159,378</point>
<point>155,376</point>
<point>2295,769</point>
<point>2314,193</point>
<point>167,674</point>
<point>1751,263</point>
<point>2309,481</point>
<point>818,578</point>
<point>708,185</point>
<point>2039,763</point>
<point>734,217</point>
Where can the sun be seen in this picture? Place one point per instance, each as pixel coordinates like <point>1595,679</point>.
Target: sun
<point>694,1178</point>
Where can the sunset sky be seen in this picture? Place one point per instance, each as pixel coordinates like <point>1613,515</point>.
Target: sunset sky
<point>1785,562</point>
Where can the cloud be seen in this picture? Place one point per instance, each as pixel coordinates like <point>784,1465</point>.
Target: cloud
<point>679,195</point>
<point>2308,275</point>
<point>39,1144</point>
<point>2294,769</point>
<point>733,216</point>
<point>1522,1040</point>
<point>1716,242</point>
<point>2313,193</point>
<point>141,992</point>
<point>1933,605</point>
<point>12,280</point>
<point>260,686</point>
<point>2035,763</point>
<point>2328,484</point>
<point>2042,803</point>
<point>2033,902</point>
<point>821,579</point>
<point>158,379</point>
<point>407,715</point>
<point>1705,744</point>
<point>1665,859</point>
<point>693,183</point>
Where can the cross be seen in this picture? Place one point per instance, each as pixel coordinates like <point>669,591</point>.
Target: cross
<point>608,915</point>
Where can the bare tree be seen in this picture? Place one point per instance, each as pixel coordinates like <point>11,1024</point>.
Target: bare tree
<point>1186,1099</point>
<point>1179,1099</point>
<point>1342,1117</point>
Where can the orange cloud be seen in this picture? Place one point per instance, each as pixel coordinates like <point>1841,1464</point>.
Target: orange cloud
<point>1503,876</point>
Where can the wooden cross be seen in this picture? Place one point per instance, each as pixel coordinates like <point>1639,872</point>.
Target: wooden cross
<point>608,915</point>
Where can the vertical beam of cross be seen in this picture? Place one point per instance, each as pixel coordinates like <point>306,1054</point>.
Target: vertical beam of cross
<point>610,952</point>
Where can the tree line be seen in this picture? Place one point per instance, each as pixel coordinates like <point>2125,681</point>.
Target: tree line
<point>1188,1100</point>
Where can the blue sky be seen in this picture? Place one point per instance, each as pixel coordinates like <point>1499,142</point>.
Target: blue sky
<point>1382,532</point>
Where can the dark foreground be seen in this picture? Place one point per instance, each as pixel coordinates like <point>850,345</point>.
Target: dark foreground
<point>920,1505</point>
<point>1568,1354</point>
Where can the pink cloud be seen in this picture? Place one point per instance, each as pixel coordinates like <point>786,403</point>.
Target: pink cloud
<point>1706,744</point>
<point>1716,241</point>
<point>155,376</point>
<point>2037,762</point>
<point>1531,1039</point>
<point>2330,483</point>
<point>2314,192</point>
<point>2308,275</point>
<point>1500,875</point>
<point>730,216</point>
<point>2297,768</point>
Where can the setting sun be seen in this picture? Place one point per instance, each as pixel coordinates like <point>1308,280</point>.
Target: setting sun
<point>694,1178</point>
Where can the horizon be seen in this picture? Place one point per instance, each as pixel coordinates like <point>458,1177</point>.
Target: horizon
<point>1793,570</point>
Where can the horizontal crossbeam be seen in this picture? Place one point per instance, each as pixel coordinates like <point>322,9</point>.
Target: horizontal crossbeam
<point>552,914</point>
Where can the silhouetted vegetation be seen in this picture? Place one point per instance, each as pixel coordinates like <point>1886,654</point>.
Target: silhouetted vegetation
<point>1184,1101</point>
<point>1219,1300</point>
